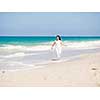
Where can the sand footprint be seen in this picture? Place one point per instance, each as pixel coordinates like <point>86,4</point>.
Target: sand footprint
<point>96,75</point>
<point>94,69</point>
<point>44,78</point>
<point>2,75</point>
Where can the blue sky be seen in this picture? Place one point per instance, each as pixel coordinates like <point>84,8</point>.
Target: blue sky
<point>69,24</point>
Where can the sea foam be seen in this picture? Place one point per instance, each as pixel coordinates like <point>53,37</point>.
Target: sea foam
<point>82,44</point>
<point>25,48</point>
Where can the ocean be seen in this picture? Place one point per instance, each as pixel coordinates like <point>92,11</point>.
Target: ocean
<point>37,40</point>
<point>22,52</point>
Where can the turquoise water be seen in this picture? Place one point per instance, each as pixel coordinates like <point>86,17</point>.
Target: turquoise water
<point>36,40</point>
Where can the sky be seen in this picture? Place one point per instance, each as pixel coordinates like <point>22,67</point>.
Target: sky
<point>49,23</point>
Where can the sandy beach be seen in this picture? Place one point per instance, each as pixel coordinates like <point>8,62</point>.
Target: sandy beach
<point>81,71</point>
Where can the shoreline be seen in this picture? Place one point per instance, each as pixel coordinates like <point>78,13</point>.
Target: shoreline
<point>78,72</point>
<point>71,58</point>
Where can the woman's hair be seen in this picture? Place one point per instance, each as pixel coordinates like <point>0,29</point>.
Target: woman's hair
<point>58,37</point>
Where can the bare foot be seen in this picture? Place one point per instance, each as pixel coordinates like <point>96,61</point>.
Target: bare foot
<point>55,59</point>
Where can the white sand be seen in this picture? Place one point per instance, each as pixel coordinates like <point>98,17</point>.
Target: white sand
<point>78,72</point>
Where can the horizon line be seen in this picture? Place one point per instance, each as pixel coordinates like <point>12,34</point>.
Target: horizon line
<point>52,35</point>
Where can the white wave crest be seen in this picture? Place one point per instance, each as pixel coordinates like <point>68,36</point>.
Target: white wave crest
<point>83,44</point>
<point>68,45</point>
<point>15,55</point>
<point>24,48</point>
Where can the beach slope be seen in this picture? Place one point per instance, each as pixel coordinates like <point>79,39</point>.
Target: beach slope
<point>81,71</point>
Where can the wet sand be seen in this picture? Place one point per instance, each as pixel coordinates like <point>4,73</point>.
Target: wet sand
<point>82,71</point>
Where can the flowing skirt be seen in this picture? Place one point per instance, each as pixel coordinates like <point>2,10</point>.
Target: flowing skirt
<point>58,51</point>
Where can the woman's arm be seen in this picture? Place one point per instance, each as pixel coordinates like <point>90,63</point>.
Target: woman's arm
<point>62,43</point>
<point>53,45</point>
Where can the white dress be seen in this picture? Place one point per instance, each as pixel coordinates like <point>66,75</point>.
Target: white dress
<point>58,48</point>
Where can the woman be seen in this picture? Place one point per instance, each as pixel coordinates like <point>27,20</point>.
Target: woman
<point>58,46</point>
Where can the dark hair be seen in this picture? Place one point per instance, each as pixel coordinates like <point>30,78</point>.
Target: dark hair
<point>58,37</point>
